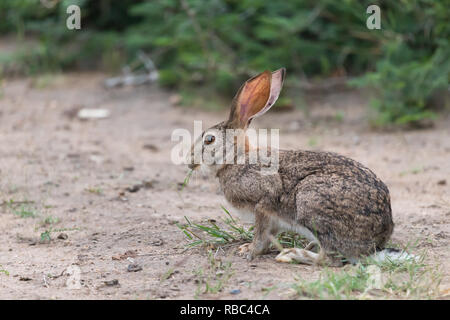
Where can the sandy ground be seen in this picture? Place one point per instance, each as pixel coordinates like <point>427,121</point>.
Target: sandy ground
<point>73,177</point>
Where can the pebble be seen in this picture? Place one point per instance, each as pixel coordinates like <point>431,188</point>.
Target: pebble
<point>63,236</point>
<point>134,267</point>
<point>111,283</point>
<point>235,291</point>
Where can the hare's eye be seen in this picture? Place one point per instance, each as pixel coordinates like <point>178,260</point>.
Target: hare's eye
<point>209,139</point>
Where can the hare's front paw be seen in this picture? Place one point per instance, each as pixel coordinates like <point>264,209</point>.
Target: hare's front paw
<point>247,251</point>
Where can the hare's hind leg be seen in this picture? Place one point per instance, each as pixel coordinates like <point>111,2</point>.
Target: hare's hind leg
<point>298,255</point>
<point>305,256</point>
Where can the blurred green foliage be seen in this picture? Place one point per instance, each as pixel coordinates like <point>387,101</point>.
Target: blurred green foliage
<point>217,44</point>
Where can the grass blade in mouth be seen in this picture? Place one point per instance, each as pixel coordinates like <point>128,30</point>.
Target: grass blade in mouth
<point>186,179</point>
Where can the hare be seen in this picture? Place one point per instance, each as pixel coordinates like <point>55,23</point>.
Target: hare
<point>335,202</point>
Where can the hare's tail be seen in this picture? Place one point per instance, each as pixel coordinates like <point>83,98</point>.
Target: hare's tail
<point>393,255</point>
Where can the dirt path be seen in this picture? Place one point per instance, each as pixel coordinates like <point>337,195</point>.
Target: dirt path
<point>72,176</point>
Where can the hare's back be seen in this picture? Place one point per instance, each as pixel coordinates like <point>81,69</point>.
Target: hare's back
<point>340,199</point>
<point>337,172</point>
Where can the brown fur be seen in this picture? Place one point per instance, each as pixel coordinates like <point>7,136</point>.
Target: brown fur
<point>337,199</point>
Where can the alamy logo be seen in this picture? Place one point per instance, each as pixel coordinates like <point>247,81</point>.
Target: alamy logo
<point>374,20</point>
<point>74,20</point>
<point>220,146</point>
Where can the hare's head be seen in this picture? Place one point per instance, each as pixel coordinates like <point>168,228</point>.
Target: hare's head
<point>225,142</point>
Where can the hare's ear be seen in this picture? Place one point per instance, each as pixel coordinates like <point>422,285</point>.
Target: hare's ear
<point>255,97</point>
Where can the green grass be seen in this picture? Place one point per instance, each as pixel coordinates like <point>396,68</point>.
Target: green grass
<point>411,279</point>
<point>313,142</point>
<point>4,271</point>
<point>339,116</point>
<point>25,212</point>
<point>50,220</point>
<point>369,279</point>
<point>292,240</point>
<point>22,209</point>
<point>186,180</point>
<point>27,209</point>
<point>333,285</point>
<point>230,231</point>
<point>214,278</point>
<point>415,170</point>
<point>416,278</point>
<point>95,190</point>
<point>216,233</point>
<point>45,236</point>
<point>167,274</point>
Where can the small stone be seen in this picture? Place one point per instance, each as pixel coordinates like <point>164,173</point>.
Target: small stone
<point>235,291</point>
<point>180,186</point>
<point>150,147</point>
<point>127,255</point>
<point>134,188</point>
<point>442,182</point>
<point>62,236</point>
<point>111,283</point>
<point>73,155</point>
<point>147,184</point>
<point>25,279</point>
<point>157,242</point>
<point>86,113</point>
<point>134,267</point>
